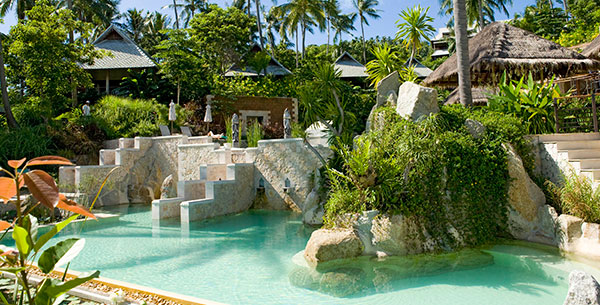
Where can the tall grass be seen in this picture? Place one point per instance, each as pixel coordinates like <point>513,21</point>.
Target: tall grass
<point>254,134</point>
<point>578,197</point>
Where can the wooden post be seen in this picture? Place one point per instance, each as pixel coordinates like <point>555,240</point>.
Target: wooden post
<point>594,112</point>
<point>107,82</point>
<point>556,123</point>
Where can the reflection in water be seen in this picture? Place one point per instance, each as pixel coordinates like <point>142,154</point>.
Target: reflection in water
<point>366,276</point>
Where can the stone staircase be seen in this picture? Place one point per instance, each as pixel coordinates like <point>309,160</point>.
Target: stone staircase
<point>579,152</point>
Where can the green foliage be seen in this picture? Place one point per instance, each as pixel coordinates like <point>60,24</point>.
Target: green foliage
<point>578,197</point>
<point>433,171</point>
<point>254,134</point>
<point>124,117</point>
<point>50,65</point>
<point>259,61</point>
<point>414,28</point>
<point>221,36</point>
<point>386,62</point>
<point>25,142</point>
<point>528,100</point>
<point>543,20</point>
<point>146,84</point>
<point>262,86</point>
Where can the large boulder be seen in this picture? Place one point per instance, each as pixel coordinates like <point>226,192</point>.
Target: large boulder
<point>327,245</point>
<point>399,235</point>
<point>416,101</point>
<point>583,289</point>
<point>312,211</point>
<point>388,87</point>
<point>475,128</point>
<point>578,236</point>
<point>529,218</point>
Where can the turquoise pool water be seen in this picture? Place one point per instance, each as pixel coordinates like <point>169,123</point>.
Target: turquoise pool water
<point>249,259</point>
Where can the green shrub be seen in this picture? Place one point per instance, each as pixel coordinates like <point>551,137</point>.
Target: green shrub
<point>433,170</point>
<point>254,134</point>
<point>263,86</point>
<point>578,197</point>
<point>125,117</point>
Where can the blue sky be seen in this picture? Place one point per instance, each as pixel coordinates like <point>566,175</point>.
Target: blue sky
<point>385,26</point>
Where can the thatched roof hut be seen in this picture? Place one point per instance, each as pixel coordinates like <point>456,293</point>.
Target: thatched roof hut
<point>274,67</point>
<point>592,49</point>
<point>480,96</point>
<point>501,47</point>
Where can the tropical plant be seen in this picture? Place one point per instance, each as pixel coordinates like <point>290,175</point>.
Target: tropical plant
<point>21,6</point>
<point>462,53</point>
<point>29,244</point>
<point>189,8</point>
<point>366,8</point>
<point>154,32</point>
<point>135,23</point>
<point>304,14</point>
<point>332,10</point>
<point>10,119</point>
<point>479,12</point>
<point>386,62</point>
<point>321,100</point>
<point>344,23</point>
<point>413,28</point>
<point>528,100</point>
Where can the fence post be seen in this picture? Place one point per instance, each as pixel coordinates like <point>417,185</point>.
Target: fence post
<point>594,112</point>
<point>556,123</point>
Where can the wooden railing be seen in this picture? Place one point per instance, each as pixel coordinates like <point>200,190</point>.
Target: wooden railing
<point>576,119</point>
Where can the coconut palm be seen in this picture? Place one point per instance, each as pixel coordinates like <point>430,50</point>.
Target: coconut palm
<point>366,8</point>
<point>189,8</point>
<point>135,23</point>
<point>462,52</point>
<point>10,118</point>
<point>258,23</point>
<point>479,12</point>
<point>275,25</point>
<point>332,10</point>
<point>20,5</point>
<point>343,24</point>
<point>304,14</point>
<point>413,28</point>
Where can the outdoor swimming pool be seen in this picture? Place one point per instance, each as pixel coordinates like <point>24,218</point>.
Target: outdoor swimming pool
<point>248,259</point>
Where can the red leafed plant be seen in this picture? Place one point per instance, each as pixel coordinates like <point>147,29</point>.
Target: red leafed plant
<point>19,262</point>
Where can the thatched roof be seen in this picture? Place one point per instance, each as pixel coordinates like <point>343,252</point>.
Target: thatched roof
<point>274,67</point>
<point>500,46</point>
<point>350,67</point>
<point>480,96</point>
<point>592,50</point>
<point>126,54</point>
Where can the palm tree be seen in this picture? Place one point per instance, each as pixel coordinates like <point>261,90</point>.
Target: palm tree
<point>258,23</point>
<point>366,8</point>
<point>477,10</point>
<point>135,23</point>
<point>415,28</point>
<point>343,24</point>
<point>462,52</point>
<point>176,16</point>
<point>303,14</point>
<point>331,8</point>
<point>189,8</point>
<point>10,119</point>
<point>21,7</point>
<point>275,25</point>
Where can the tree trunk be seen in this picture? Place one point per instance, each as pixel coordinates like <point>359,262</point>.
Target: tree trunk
<point>462,52</point>
<point>176,15</point>
<point>178,91</point>
<point>328,34</point>
<point>72,40</point>
<point>480,15</point>
<point>296,34</point>
<point>303,38</point>
<point>566,3</point>
<point>362,28</point>
<point>260,35</point>
<point>12,123</point>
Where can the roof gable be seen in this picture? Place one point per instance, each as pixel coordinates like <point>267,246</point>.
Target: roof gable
<point>126,54</point>
<point>350,67</point>
<point>274,67</point>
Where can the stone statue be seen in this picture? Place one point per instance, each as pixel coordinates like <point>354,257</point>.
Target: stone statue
<point>235,130</point>
<point>287,124</point>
